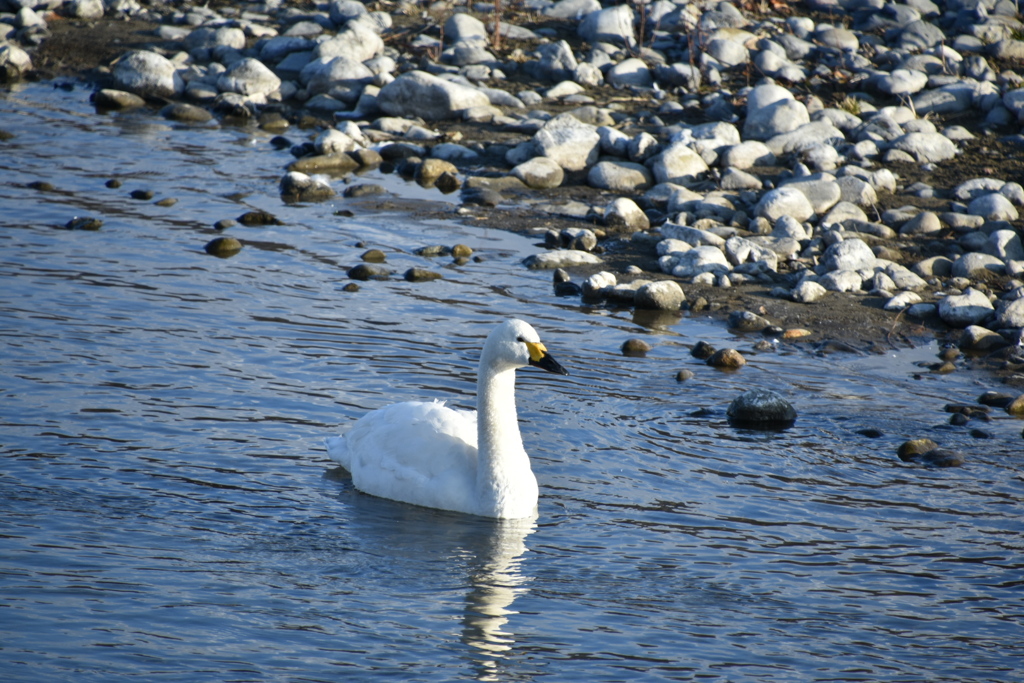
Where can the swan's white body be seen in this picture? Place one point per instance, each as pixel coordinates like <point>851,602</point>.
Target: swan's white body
<point>431,455</point>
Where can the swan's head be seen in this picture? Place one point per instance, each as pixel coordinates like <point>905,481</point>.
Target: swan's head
<point>514,343</point>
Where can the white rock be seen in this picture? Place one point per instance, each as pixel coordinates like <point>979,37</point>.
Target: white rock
<point>249,76</point>
<point>417,93</point>
<point>977,263</point>
<point>701,260</point>
<point>678,164</point>
<point>1010,314</point>
<point>662,295</point>
<point>540,173</point>
<point>630,71</point>
<point>747,155</point>
<point>841,281</point>
<point>784,201</point>
<point>775,119</point>
<point>902,82</point>
<point>902,300</point>
<point>961,310</point>
<point>612,25</point>
<point>926,147</point>
<point>624,213</point>
<point>14,63</point>
<point>619,176</point>
<point>1005,245</point>
<point>147,73</point>
<point>572,144</point>
<point>739,250</point>
<point>808,291</point>
<point>993,207</point>
<point>358,41</point>
<point>562,258</point>
<point>850,254</point>
<point>322,74</point>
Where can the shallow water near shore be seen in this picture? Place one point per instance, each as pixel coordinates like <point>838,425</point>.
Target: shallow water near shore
<point>168,512</point>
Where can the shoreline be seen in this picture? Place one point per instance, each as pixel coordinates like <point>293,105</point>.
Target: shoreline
<point>84,50</point>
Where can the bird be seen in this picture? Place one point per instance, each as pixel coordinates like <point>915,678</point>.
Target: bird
<point>473,462</point>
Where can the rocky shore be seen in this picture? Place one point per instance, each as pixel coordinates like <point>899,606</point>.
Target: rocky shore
<point>832,164</point>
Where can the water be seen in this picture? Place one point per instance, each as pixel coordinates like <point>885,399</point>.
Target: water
<point>167,510</point>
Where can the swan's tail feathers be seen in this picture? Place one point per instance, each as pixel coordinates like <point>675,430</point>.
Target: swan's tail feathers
<point>337,450</point>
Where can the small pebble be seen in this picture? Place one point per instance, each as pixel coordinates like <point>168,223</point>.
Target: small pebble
<point>635,347</point>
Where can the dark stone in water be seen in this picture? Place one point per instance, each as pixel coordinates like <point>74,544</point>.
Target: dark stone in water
<point>745,321</point>
<point>482,196</point>
<point>113,183</point>
<point>350,287</point>
<point>943,457</point>
<point>280,142</point>
<point>727,359</point>
<point>636,348</point>
<point>761,409</point>
<point>366,271</point>
<point>258,217</point>
<point>41,186</point>
<point>363,190</point>
<point>447,183</point>
<point>958,419</point>
<point>702,350</point>
<point>995,399</point>
<point>225,223</point>
<point>83,223</point>
<point>374,256</point>
<point>223,247</point>
<point>684,375</point>
<point>185,113</point>
<point>421,275</point>
<point>142,195</point>
<point>913,449</point>
<point>303,149</point>
<point>871,432</point>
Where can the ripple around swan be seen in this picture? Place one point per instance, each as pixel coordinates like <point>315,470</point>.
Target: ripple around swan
<point>167,509</point>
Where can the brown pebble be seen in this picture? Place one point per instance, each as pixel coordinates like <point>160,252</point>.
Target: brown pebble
<point>684,375</point>
<point>950,353</point>
<point>223,247</point>
<point>909,450</point>
<point>635,347</point>
<point>729,359</point>
<point>945,368</point>
<point>421,275</point>
<point>1016,407</point>
<point>258,217</point>
<point>350,287</point>
<point>113,183</point>
<point>702,350</point>
<point>166,202</point>
<point>796,333</point>
<point>461,251</point>
<point>144,195</point>
<point>374,256</point>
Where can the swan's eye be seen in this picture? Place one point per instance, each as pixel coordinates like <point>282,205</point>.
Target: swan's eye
<point>520,339</point>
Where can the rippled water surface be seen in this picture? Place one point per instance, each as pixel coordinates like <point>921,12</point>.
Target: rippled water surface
<point>167,510</point>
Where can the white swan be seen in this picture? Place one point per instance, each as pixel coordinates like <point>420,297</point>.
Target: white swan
<point>430,455</point>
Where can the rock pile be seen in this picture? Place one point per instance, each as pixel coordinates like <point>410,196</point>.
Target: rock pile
<point>765,147</point>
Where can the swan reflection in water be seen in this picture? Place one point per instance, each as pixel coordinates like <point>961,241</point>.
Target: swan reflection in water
<point>497,580</point>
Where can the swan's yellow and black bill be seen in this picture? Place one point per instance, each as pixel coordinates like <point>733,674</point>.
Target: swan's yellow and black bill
<point>540,358</point>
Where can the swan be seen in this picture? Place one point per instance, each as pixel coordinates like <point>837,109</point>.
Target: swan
<point>466,461</point>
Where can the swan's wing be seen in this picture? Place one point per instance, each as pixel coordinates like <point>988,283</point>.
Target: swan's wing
<point>420,453</point>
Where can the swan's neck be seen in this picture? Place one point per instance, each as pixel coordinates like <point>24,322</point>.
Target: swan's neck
<point>504,478</point>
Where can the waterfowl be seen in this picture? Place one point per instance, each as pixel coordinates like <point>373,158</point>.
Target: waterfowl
<point>466,461</point>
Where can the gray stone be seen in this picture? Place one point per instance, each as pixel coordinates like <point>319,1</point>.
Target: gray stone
<point>572,144</point>
<point>619,176</point>
<point>417,93</point>
<point>926,147</point>
<point>975,264</point>
<point>808,292</point>
<point>841,281</point>
<point>901,82</point>
<point>357,41</point>
<point>539,173</point>
<point>978,338</point>
<point>902,301</point>
<point>630,71</point>
<point>761,409</point>
<point>822,193</point>
<point>782,116</point>
<point>612,25</point>
<point>701,260</point>
<point>324,73</point>
<point>461,26</point>
<point>678,164</point>
<point>805,137</point>
<point>784,201</point>
<point>1010,314</point>
<point>623,213</point>
<point>936,266</point>
<point>563,258</point>
<point>851,254</point>
<point>662,295</point>
<point>924,223</point>
<point>960,310</point>
<point>15,63</point>
<point>249,76</point>
<point>1005,245</point>
<point>747,155</point>
<point>148,74</point>
<point>572,9</point>
<point>993,207</point>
